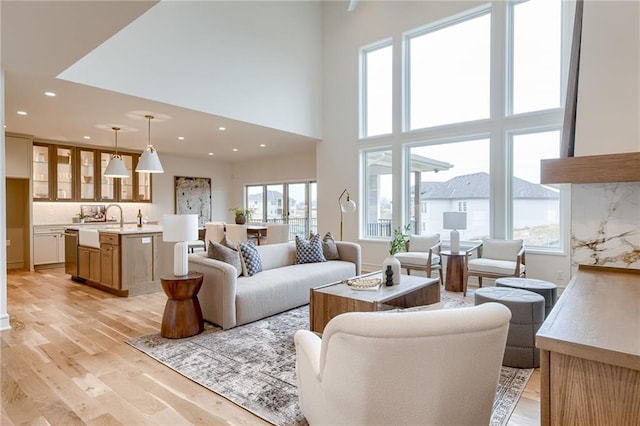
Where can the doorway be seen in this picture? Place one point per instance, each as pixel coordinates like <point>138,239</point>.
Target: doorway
<point>17,213</point>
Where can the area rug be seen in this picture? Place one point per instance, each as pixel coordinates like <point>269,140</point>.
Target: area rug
<point>254,365</point>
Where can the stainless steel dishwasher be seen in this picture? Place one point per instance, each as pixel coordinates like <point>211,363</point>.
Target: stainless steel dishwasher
<point>71,253</point>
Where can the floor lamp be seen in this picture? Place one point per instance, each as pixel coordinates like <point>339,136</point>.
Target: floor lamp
<point>346,206</point>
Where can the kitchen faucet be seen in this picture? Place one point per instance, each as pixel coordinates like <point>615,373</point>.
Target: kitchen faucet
<point>121,216</point>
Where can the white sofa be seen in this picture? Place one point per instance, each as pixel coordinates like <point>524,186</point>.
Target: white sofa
<point>228,300</point>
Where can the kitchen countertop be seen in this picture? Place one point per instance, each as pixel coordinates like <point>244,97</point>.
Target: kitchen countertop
<point>115,229</point>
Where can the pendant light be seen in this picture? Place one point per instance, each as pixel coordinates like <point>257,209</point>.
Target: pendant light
<point>149,161</point>
<point>116,167</point>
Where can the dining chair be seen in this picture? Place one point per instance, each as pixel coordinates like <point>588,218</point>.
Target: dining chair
<point>236,233</point>
<point>277,233</point>
<point>214,231</point>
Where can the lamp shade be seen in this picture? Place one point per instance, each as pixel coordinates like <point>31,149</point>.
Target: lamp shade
<point>149,162</point>
<point>454,220</point>
<point>348,205</point>
<point>179,227</point>
<point>116,168</point>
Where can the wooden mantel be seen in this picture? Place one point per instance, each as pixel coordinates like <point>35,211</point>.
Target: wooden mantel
<point>592,169</point>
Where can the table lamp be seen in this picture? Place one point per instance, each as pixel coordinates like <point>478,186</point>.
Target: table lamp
<point>180,228</point>
<point>454,221</point>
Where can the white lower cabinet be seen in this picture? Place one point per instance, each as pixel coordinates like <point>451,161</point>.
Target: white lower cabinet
<point>48,245</point>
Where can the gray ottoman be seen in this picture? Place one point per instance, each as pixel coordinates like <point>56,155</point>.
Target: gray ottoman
<point>527,315</point>
<point>544,288</point>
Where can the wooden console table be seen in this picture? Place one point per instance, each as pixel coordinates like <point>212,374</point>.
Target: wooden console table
<point>590,351</point>
<point>182,314</point>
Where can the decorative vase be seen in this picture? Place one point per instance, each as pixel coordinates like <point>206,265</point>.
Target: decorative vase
<point>241,219</point>
<point>395,267</point>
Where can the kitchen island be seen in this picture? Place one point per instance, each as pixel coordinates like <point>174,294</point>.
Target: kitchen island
<point>126,261</point>
<point>590,350</point>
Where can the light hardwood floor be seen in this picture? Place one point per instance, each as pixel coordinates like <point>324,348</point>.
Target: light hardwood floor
<point>64,362</point>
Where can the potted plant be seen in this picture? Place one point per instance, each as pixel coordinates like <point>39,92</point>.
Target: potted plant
<point>398,244</point>
<point>242,215</point>
<point>82,217</point>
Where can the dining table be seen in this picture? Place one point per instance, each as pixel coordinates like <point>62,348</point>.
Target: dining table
<point>257,231</point>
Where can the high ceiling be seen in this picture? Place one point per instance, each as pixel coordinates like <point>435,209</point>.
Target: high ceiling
<point>42,39</point>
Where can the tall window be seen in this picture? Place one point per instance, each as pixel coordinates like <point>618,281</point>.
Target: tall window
<point>292,203</point>
<point>377,211</point>
<point>477,120</point>
<point>535,207</point>
<point>449,73</point>
<point>376,90</point>
<point>450,176</point>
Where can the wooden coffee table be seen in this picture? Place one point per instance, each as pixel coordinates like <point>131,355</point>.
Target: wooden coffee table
<point>334,299</point>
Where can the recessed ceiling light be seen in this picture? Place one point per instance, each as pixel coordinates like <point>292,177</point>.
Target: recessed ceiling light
<point>22,112</point>
<point>235,149</point>
<point>211,153</point>
<point>86,137</point>
<point>180,138</point>
<point>262,145</point>
<point>50,94</point>
<point>222,128</point>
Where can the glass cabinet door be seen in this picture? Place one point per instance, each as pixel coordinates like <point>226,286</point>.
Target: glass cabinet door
<point>126,184</point>
<point>87,175</point>
<point>40,171</point>
<point>107,184</point>
<point>144,186</point>
<point>64,174</point>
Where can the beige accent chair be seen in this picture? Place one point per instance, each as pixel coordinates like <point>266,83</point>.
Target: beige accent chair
<point>415,368</point>
<point>236,233</point>
<point>214,231</point>
<point>423,254</point>
<point>496,259</point>
<point>277,233</point>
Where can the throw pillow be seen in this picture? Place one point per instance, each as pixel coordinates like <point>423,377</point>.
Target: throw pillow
<point>225,254</point>
<point>309,251</point>
<point>329,247</point>
<point>251,258</point>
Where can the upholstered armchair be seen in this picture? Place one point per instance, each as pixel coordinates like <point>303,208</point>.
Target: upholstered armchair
<point>432,367</point>
<point>496,259</point>
<point>423,254</point>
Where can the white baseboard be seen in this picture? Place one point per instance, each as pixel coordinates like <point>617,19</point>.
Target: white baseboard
<point>4,323</point>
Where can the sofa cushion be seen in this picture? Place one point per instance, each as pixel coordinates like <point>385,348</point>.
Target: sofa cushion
<point>251,258</point>
<point>416,258</point>
<point>501,249</point>
<point>309,251</point>
<point>423,242</point>
<point>490,266</point>
<point>225,254</point>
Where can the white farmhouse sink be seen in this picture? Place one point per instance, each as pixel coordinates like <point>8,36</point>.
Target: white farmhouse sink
<point>89,237</point>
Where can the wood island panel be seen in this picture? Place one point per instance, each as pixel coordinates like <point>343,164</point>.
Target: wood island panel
<point>590,350</point>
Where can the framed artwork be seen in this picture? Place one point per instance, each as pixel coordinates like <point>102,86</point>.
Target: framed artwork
<point>94,213</point>
<point>193,196</point>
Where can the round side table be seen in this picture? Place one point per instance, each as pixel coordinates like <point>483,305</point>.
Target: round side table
<point>182,314</point>
<point>455,270</point>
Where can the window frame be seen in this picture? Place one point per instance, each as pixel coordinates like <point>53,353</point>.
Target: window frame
<point>363,95</point>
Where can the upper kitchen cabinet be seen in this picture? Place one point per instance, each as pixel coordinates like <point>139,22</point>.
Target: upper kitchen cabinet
<point>66,173</point>
<point>135,188</point>
<point>88,190</point>
<point>41,172</point>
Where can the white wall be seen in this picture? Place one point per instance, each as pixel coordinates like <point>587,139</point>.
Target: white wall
<point>607,119</point>
<point>258,62</point>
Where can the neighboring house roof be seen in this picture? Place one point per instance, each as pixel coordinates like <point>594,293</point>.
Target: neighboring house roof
<point>271,195</point>
<point>476,185</point>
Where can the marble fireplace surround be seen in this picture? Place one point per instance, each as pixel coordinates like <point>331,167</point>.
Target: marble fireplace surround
<point>605,224</point>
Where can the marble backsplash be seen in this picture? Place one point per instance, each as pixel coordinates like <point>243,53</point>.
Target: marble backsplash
<point>605,222</point>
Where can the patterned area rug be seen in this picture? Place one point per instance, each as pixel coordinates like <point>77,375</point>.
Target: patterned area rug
<point>254,365</point>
